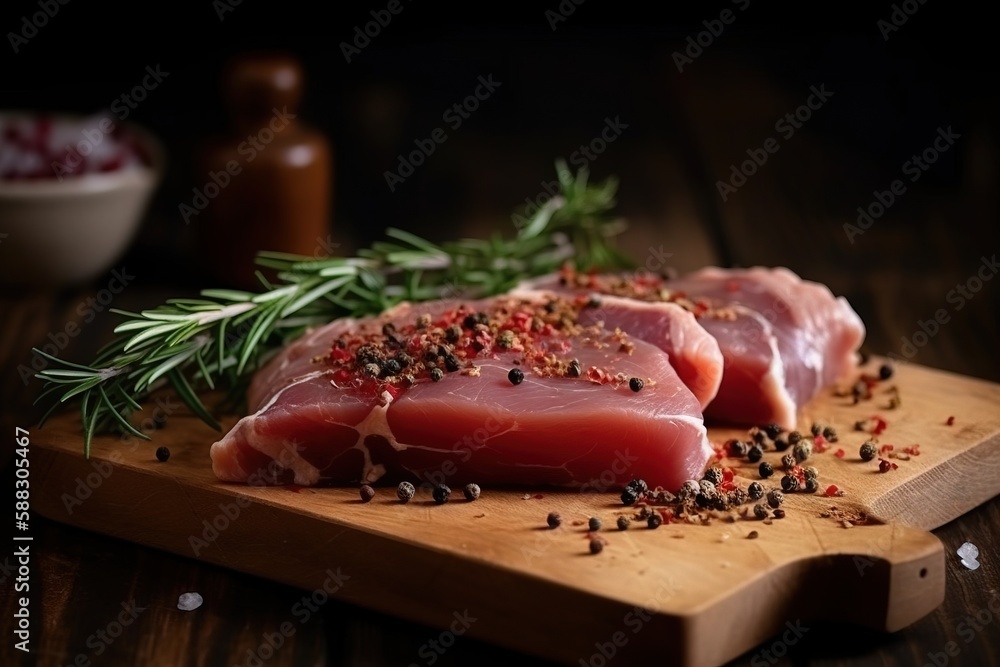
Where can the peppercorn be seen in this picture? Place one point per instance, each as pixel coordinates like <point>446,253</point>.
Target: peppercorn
<point>516,376</point>
<point>707,487</point>
<point>703,500</point>
<point>436,374</point>
<point>811,472</point>
<point>737,448</point>
<point>405,492</point>
<point>453,333</point>
<point>390,368</point>
<point>629,496</point>
<point>794,437</point>
<point>719,503</point>
<point>755,491</point>
<point>755,454</point>
<point>371,370</point>
<point>505,338</point>
<point>441,493</point>
<point>812,485</point>
<point>885,372</point>
<point>635,384</point>
<point>639,485</point>
<point>451,363</point>
<point>162,454</point>
<point>596,546</point>
<point>758,436</point>
<point>802,451</point>
<point>654,521</point>
<point>553,519</point>
<point>775,498</point>
<point>594,524</point>
<point>688,490</point>
<point>779,514</point>
<point>868,451</point>
<point>781,444</point>
<point>789,484</point>
<point>713,475</point>
<point>737,496</point>
<point>753,535</point>
<point>623,523</point>
<point>830,434</point>
<point>593,302</point>
<point>367,493</point>
<point>471,491</point>
<point>773,431</point>
<point>787,461</point>
<point>765,469</point>
<point>816,428</point>
<point>574,370</point>
<point>408,379</point>
<point>759,511</point>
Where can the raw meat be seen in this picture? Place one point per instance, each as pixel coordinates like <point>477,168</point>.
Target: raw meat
<point>782,339</point>
<point>354,402</point>
<point>693,352</point>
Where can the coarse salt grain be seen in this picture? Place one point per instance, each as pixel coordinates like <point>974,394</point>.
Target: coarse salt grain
<point>189,601</point>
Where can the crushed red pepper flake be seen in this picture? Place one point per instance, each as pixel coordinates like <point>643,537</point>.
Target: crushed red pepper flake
<point>840,453</point>
<point>833,491</point>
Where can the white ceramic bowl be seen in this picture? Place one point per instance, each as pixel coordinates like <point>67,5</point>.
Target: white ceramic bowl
<point>59,233</point>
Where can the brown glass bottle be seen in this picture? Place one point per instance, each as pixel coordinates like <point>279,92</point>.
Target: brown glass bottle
<point>272,174</point>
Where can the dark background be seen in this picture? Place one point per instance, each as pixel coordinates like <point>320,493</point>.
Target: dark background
<point>684,131</point>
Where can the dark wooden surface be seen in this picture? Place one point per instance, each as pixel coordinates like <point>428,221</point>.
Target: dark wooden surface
<point>790,213</point>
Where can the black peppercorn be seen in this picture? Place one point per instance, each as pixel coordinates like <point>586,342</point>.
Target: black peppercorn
<point>885,372</point>
<point>553,519</point>
<point>471,491</point>
<point>713,475</point>
<point>781,444</point>
<point>789,483</point>
<point>737,448</point>
<point>775,498</point>
<point>453,333</point>
<point>779,514</point>
<point>737,496</point>
<point>773,431</point>
<point>811,471</point>
<point>405,492</point>
<point>367,493</point>
<point>830,434</point>
<point>812,485</point>
<point>436,374</point>
<point>654,521</point>
<point>441,493</point>
<point>162,454</point>
<point>868,451</point>
<point>639,485</point>
<point>635,384</point>
<point>623,523</point>
<point>574,370</point>
<point>629,496</point>
<point>802,451</point>
<point>596,546</point>
<point>765,470</point>
<point>794,437</point>
<point>755,491</point>
<point>594,524</point>
<point>758,436</point>
<point>755,454</point>
<point>815,429</point>
<point>516,376</point>
<point>788,461</point>
<point>759,511</point>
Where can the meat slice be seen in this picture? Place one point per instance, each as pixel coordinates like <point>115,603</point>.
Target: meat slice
<point>781,339</point>
<point>693,352</point>
<point>357,401</point>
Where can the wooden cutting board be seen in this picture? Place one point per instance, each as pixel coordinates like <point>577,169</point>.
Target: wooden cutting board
<point>681,594</point>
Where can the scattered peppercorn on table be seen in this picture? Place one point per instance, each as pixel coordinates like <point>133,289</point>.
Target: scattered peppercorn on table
<point>532,564</point>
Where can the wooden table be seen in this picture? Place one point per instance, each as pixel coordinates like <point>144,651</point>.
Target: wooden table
<point>897,274</point>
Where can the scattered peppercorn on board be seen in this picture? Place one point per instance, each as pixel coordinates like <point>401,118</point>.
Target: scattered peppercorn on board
<point>660,594</point>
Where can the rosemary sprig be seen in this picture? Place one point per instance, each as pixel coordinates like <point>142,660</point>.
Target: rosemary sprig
<point>220,339</point>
